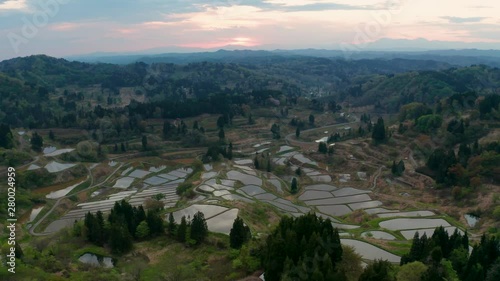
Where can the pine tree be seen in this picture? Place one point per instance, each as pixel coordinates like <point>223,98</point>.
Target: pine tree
<point>239,233</point>
<point>181,230</point>
<point>171,224</point>
<point>51,135</point>
<point>297,132</point>
<point>322,147</point>
<point>230,151</point>
<point>294,187</point>
<point>6,137</point>
<point>311,119</point>
<point>222,135</point>
<point>298,171</point>
<point>250,120</point>
<point>144,142</point>
<point>122,147</point>
<point>220,122</point>
<point>36,142</point>
<point>269,167</point>
<point>155,222</point>
<point>378,133</point>
<point>331,150</point>
<point>120,239</point>
<point>400,167</point>
<point>199,229</point>
<point>167,128</point>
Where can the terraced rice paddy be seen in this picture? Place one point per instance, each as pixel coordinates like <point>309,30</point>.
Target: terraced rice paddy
<point>219,219</point>
<point>369,251</point>
<point>63,192</point>
<point>55,167</point>
<point>378,235</point>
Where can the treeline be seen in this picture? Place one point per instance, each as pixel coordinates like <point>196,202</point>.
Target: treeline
<point>446,257</point>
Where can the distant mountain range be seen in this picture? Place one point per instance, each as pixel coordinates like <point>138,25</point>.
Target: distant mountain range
<point>455,53</point>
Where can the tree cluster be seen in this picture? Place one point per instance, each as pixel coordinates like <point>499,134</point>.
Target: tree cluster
<point>447,256</point>
<point>189,231</point>
<point>303,248</point>
<point>398,169</point>
<point>124,224</point>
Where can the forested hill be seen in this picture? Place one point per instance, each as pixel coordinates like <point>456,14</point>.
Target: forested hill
<point>306,71</point>
<point>425,86</point>
<point>36,87</point>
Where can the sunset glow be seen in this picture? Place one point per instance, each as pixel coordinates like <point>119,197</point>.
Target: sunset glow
<point>285,24</point>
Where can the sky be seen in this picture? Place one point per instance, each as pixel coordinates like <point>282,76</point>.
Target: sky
<point>71,27</point>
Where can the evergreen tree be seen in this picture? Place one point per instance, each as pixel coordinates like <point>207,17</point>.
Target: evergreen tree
<point>276,130</point>
<point>36,142</point>
<point>269,166</point>
<point>115,149</point>
<point>51,135</point>
<point>171,224</point>
<point>155,222</point>
<point>378,133</point>
<point>195,125</point>
<point>250,120</point>
<point>256,162</point>
<point>18,251</point>
<point>297,132</point>
<point>493,273</point>
<point>220,122</point>
<point>6,137</point>
<point>181,230</point>
<point>120,239</point>
<point>322,147</point>
<point>294,188</point>
<point>144,142</point>
<point>230,151</point>
<point>167,129</point>
<point>199,229</point>
<point>239,234</point>
<point>311,120</point>
<point>298,171</point>
<point>222,135</point>
<point>122,147</point>
<point>331,150</point>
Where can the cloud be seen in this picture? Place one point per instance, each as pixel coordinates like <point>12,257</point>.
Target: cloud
<point>464,20</point>
<point>13,5</point>
<point>324,5</point>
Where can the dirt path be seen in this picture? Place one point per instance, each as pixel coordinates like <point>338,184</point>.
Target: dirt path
<point>374,184</point>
